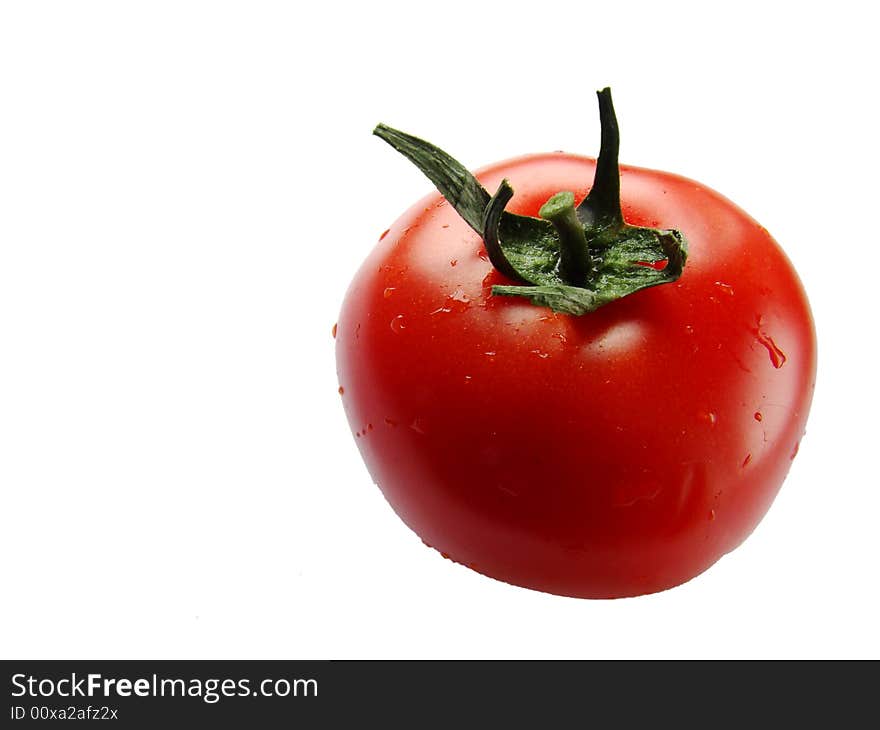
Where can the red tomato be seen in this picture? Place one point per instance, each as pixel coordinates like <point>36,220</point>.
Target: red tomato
<point>617,453</point>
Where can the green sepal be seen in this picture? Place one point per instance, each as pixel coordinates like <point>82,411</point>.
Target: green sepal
<point>623,269</point>
<point>619,259</point>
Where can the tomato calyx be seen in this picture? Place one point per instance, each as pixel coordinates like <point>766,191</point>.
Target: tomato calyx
<point>573,259</point>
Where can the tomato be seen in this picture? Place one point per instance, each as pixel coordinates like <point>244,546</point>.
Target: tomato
<point>612,454</point>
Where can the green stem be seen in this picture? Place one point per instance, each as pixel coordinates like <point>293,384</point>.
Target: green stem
<point>575,263</point>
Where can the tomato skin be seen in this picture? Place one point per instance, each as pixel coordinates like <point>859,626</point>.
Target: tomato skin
<point>614,454</point>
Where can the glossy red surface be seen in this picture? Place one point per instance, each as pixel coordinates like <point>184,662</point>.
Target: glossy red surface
<point>614,454</point>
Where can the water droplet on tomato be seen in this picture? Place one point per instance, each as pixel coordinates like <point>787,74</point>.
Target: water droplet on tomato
<point>746,460</point>
<point>711,418</point>
<point>341,390</point>
<point>726,288</point>
<point>390,421</point>
<point>369,427</point>
<point>689,328</point>
<point>759,416</point>
<point>777,356</point>
<point>489,354</point>
<point>711,515</point>
<point>388,292</point>
<point>387,231</point>
<point>457,301</point>
<point>483,255</point>
<point>416,426</point>
<point>468,379</point>
<point>397,324</point>
<point>333,331</point>
<point>542,355</point>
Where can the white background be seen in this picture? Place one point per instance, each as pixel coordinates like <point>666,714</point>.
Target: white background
<point>187,188</point>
